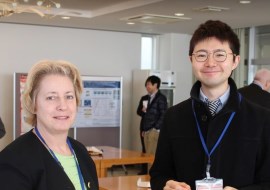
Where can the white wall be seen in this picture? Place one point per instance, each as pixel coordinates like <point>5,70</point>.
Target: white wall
<point>173,55</point>
<point>93,52</point>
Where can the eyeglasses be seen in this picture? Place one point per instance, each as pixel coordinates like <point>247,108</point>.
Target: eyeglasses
<point>219,56</point>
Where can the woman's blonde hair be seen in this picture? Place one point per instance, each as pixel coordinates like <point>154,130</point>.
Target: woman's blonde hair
<point>37,73</point>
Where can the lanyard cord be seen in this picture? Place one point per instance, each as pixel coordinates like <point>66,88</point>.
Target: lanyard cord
<point>203,141</point>
<point>55,158</point>
<point>50,150</point>
<point>77,164</point>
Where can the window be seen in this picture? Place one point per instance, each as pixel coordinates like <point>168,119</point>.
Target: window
<point>148,52</point>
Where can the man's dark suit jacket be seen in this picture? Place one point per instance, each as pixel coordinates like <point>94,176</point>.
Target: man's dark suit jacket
<point>256,94</point>
<point>153,117</point>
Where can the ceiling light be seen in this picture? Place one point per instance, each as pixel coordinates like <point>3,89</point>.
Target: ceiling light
<point>39,3</point>
<point>130,23</point>
<point>179,14</point>
<point>245,2</point>
<point>65,17</point>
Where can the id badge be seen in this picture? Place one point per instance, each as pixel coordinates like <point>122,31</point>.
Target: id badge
<point>209,184</point>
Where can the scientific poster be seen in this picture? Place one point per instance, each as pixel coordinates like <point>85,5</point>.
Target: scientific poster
<point>25,127</point>
<point>100,102</point>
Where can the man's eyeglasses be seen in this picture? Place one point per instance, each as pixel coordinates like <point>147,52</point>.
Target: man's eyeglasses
<point>219,56</point>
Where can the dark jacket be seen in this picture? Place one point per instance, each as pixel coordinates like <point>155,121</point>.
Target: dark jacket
<point>242,159</point>
<point>2,129</point>
<point>256,94</point>
<point>26,164</point>
<point>154,114</point>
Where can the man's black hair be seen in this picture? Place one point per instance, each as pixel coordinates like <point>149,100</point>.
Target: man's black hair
<point>154,80</point>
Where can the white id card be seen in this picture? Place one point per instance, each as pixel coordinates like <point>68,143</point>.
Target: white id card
<point>209,184</point>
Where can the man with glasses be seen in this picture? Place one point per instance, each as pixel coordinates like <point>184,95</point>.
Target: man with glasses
<point>215,139</point>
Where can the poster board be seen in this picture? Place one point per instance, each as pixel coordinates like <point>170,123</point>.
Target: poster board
<point>99,113</point>
<point>19,125</point>
<point>99,117</point>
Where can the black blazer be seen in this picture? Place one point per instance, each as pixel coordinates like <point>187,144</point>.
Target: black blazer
<point>2,129</point>
<point>26,164</point>
<point>153,117</point>
<point>256,94</point>
<point>242,158</point>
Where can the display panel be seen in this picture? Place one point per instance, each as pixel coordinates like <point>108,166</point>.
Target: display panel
<point>99,113</point>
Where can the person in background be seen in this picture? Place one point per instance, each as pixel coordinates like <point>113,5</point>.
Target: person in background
<point>215,138</point>
<point>45,158</point>
<point>258,90</point>
<point>2,129</point>
<point>151,108</point>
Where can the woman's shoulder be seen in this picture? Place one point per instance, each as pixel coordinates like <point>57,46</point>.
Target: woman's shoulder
<point>22,152</point>
<point>22,143</point>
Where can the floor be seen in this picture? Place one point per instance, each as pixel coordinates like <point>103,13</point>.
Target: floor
<point>124,170</point>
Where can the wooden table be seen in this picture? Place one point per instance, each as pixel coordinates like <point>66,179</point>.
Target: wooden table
<point>115,156</point>
<point>97,163</point>
<point>122,183</point>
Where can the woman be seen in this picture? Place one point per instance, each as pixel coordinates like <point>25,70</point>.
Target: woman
<point>45,158</point>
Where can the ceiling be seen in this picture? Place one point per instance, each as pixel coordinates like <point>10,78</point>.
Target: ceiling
<point>112,14</point>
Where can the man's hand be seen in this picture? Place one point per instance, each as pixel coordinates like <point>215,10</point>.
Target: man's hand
<point>175,185</point>
<point>144,109</point>
<point>142,133</point>
<point>229,188</point>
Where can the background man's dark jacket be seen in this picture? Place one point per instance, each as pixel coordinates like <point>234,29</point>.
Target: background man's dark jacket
<point>256,94</point>
<point>154,114</point>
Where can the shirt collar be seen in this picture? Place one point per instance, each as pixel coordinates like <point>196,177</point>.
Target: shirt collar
<point>224,98</point>
<point>232,104</point>
<point>258,83</point>
<point>153,95</point>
